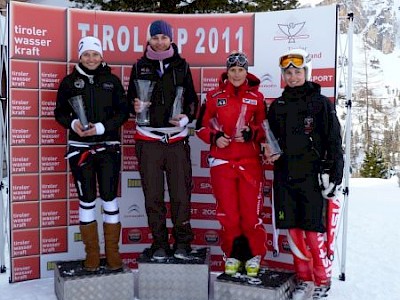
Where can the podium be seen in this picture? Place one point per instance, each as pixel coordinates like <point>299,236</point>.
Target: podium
<point>175,279</point>
<point>72,282</point>
<point>268,285</point>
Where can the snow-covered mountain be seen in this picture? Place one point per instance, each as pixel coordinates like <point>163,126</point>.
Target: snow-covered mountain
<point>376,89</point>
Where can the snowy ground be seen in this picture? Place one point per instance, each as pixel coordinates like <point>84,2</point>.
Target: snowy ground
<point>372,256</point>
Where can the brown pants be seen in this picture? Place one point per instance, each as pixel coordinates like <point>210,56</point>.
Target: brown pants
<point>173,160</point>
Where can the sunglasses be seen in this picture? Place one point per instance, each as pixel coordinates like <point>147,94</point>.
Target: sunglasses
<point>239,60</point>
<point>296,60</point>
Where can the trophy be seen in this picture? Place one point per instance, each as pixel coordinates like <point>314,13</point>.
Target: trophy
<point>270,140</point>
<point>79,108</point>
<point>178,103</point>
<point>144,89</point>
<point>240,121</point>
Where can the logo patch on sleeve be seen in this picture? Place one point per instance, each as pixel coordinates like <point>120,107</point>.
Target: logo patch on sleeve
<point>221,101</point>
<point>249,101</point>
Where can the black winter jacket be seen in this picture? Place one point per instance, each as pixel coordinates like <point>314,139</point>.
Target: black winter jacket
<point>104,99</point>
<point>176,74</point>
<point>308,132</point>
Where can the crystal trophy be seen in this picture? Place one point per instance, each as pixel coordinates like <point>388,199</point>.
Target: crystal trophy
<point>79,108</point>
<point>178,103</point>
<point>144,89</point>
<point>215,125</point>
<point>240,122</point>
<point>270,140</point>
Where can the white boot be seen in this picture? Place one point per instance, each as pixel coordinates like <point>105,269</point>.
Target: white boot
<point>303,290</point>
<point>320,292</point>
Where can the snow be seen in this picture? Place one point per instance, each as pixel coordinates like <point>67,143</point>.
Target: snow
<point>372,257</point>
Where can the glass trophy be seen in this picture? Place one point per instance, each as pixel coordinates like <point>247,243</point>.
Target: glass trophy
<point>240,122</point>
<point>270,140</point>
<point>215,125</point>
<point>178,103</point>
<point>144,89</point>
<point>79,108</point>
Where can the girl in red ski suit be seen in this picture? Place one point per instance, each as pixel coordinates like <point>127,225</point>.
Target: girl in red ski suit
<point>236,174</point>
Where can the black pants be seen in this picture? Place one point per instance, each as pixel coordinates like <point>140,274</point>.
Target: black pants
<point>173,160</point>
<point>299,203</point>
<point>101,168</point>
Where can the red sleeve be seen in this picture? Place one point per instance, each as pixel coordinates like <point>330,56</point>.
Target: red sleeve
<point>204,125</point>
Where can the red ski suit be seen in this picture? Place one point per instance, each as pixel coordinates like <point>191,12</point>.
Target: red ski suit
<point>236,172</point>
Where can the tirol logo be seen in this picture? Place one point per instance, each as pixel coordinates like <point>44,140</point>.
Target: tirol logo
<point>134,235</point>
<point>211,237</point>
<point>291,31</point>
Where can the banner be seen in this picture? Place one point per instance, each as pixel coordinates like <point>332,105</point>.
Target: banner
<point>43,199</point>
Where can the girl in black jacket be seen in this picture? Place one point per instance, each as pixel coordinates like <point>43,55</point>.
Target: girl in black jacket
<point>308,131</point>
<point>94,148</point>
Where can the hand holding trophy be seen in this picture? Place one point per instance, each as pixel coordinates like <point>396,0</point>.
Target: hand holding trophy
<point>144,89</point>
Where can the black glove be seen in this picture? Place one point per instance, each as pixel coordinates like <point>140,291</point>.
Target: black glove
<point>330,179</point>
<point>247,134</point>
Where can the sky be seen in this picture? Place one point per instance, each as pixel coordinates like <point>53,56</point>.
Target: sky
<point>371,259</point>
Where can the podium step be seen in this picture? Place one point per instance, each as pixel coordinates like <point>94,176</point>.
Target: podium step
<point>71,282</point>
<point>269,285</point>
<point>175,279</point>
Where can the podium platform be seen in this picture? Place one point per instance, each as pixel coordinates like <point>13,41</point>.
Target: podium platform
<point>175,279</point>
<point>268,285</point>
<point>72,282</point>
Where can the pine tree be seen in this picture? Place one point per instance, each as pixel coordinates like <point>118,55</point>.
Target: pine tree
<point>374,165</point>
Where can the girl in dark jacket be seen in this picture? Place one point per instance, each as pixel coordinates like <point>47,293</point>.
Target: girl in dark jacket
<point>94,147</point>
<point>162,144</point>
<point>306,126</point>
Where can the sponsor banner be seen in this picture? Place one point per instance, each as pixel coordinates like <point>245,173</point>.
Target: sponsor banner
<point>54,240</point>
<point>25,242</point>
<point>24,74</point>
<point>47,103</point>
<point>44,199</point>
<point>45,37</point>
<point>24,103</point>
<point>207,237</point>
<point>128,131</point>
<point>25,215</point>
<point>51,75</point>
<point>205,39</point>
<point>139,235</point>
<point>53,213</point>
<point>52,133</point>
<point>73,212</point>
<point>24,132</point>
<point>24,188</point>
<point>129,159</point>
<point>126,73</point>
<point>52,159</point>
<point>24,160</point>
<point>202,185</point>
<point>210,79</point>
<point>72,191</point>
<point>25,268</point>
<point>53,186</point>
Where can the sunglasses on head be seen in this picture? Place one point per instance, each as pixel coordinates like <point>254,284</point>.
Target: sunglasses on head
<point>296,60</point>
<point>238,59</point>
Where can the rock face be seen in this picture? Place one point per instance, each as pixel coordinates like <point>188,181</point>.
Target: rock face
<point>375,20</point>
